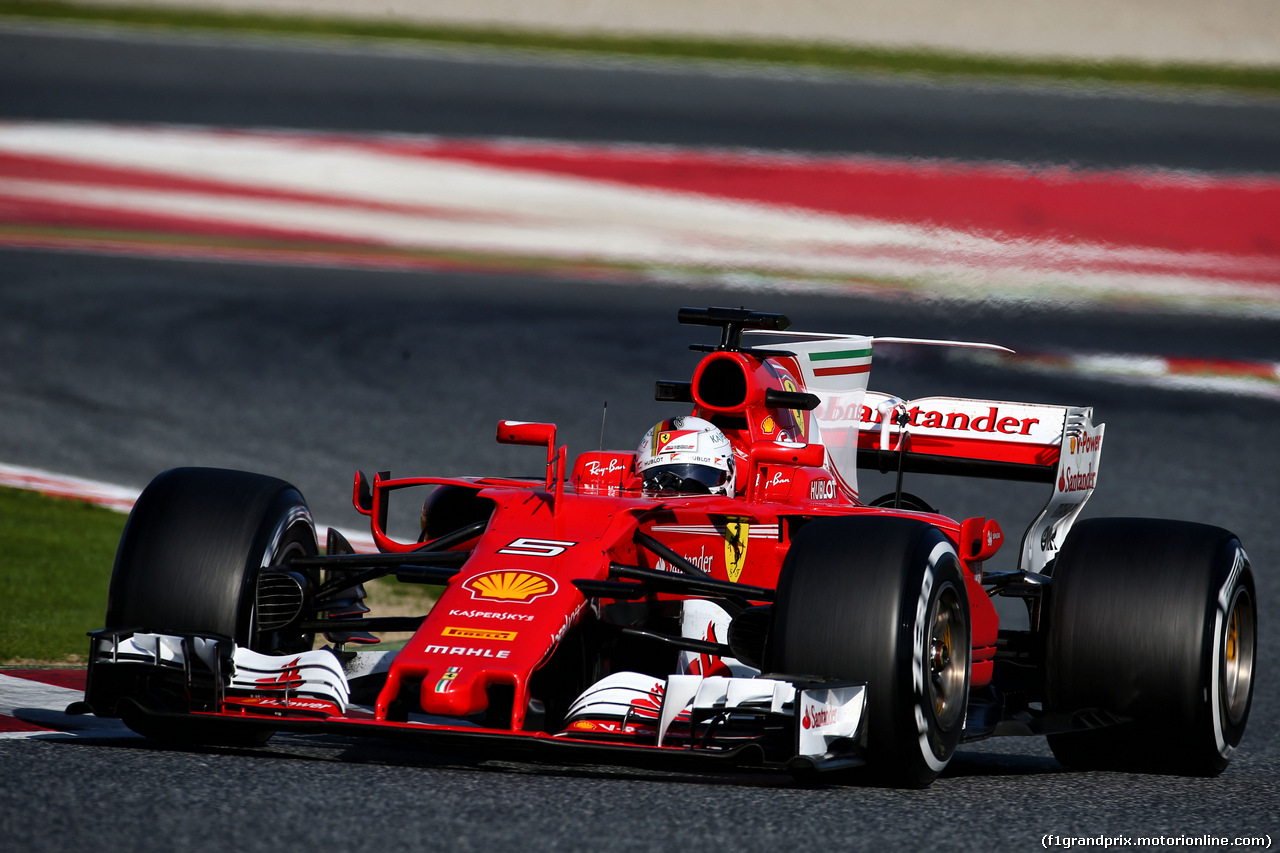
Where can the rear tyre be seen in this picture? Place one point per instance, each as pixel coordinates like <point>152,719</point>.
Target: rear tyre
<point>1154,621</point>
<point>881,600</point>
<point>188,563</point>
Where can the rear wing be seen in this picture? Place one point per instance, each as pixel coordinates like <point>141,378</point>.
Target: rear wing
<point>952,435</point>
<point>1026,442</point>
<point>1029,442</point>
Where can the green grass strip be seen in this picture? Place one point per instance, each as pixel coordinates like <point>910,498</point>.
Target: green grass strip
<point>54,569</point>
<point>1248,79</point>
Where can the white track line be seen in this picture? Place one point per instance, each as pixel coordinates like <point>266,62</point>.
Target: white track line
<point>356,192</point>
<point>119,498</point>
<point>45,705</point>
<point>1237,378</point>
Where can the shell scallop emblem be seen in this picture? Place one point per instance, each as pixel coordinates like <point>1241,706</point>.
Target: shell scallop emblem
<point>510,586</point>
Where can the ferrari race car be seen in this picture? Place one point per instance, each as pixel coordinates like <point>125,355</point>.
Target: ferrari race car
<point>723,596</point>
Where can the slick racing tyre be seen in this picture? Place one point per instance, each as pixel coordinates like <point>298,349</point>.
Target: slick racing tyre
<point>188,563</point>
<point>1153,622</point>
<point>881,600</point>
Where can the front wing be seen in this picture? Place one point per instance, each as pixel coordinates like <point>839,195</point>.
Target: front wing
<point>798,724</point>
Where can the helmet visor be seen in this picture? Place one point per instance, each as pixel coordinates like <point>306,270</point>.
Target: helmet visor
<point>694,479</point>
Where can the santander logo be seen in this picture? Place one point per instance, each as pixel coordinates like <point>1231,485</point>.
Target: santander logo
<point>815,717</point>
<point>992,420</point>
<point>1078,482</point>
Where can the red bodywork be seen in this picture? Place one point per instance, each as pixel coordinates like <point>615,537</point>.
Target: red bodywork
<point>584,615</point>
<point>501,617</point>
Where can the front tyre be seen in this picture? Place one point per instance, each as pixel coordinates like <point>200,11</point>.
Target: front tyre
<point>1154,621</point>
<point>188,563</point>
<point>881,600</point>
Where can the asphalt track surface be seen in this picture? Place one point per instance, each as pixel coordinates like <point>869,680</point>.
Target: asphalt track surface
<point>115,368</point>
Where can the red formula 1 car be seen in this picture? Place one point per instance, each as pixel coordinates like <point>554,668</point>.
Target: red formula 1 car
<point>724,595</point>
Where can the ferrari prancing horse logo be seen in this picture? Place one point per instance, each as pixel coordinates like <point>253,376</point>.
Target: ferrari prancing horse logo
<point>798,414</point>
<point>667,436</point>
<point>736,534</point>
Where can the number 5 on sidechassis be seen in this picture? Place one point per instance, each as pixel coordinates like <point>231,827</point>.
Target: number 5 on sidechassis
<point>787,624</point>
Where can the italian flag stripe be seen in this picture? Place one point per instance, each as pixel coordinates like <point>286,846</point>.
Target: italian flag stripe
<point>841,371</point>
<point>840,354</point>
<point>855,361</point>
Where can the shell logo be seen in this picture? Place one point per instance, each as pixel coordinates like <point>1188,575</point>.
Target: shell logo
<point>520,587</point>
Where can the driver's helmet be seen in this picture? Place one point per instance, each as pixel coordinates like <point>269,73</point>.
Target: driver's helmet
<point>686,454</point>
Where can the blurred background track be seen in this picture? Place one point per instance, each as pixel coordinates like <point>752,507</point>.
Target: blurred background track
<point>1232,32</point>
<point>1042,192</point>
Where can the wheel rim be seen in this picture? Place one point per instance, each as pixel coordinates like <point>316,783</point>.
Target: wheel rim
<point>948,658</point>
<point>1238,646</point>
<point>277,639</point>
<point>293,536</point>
